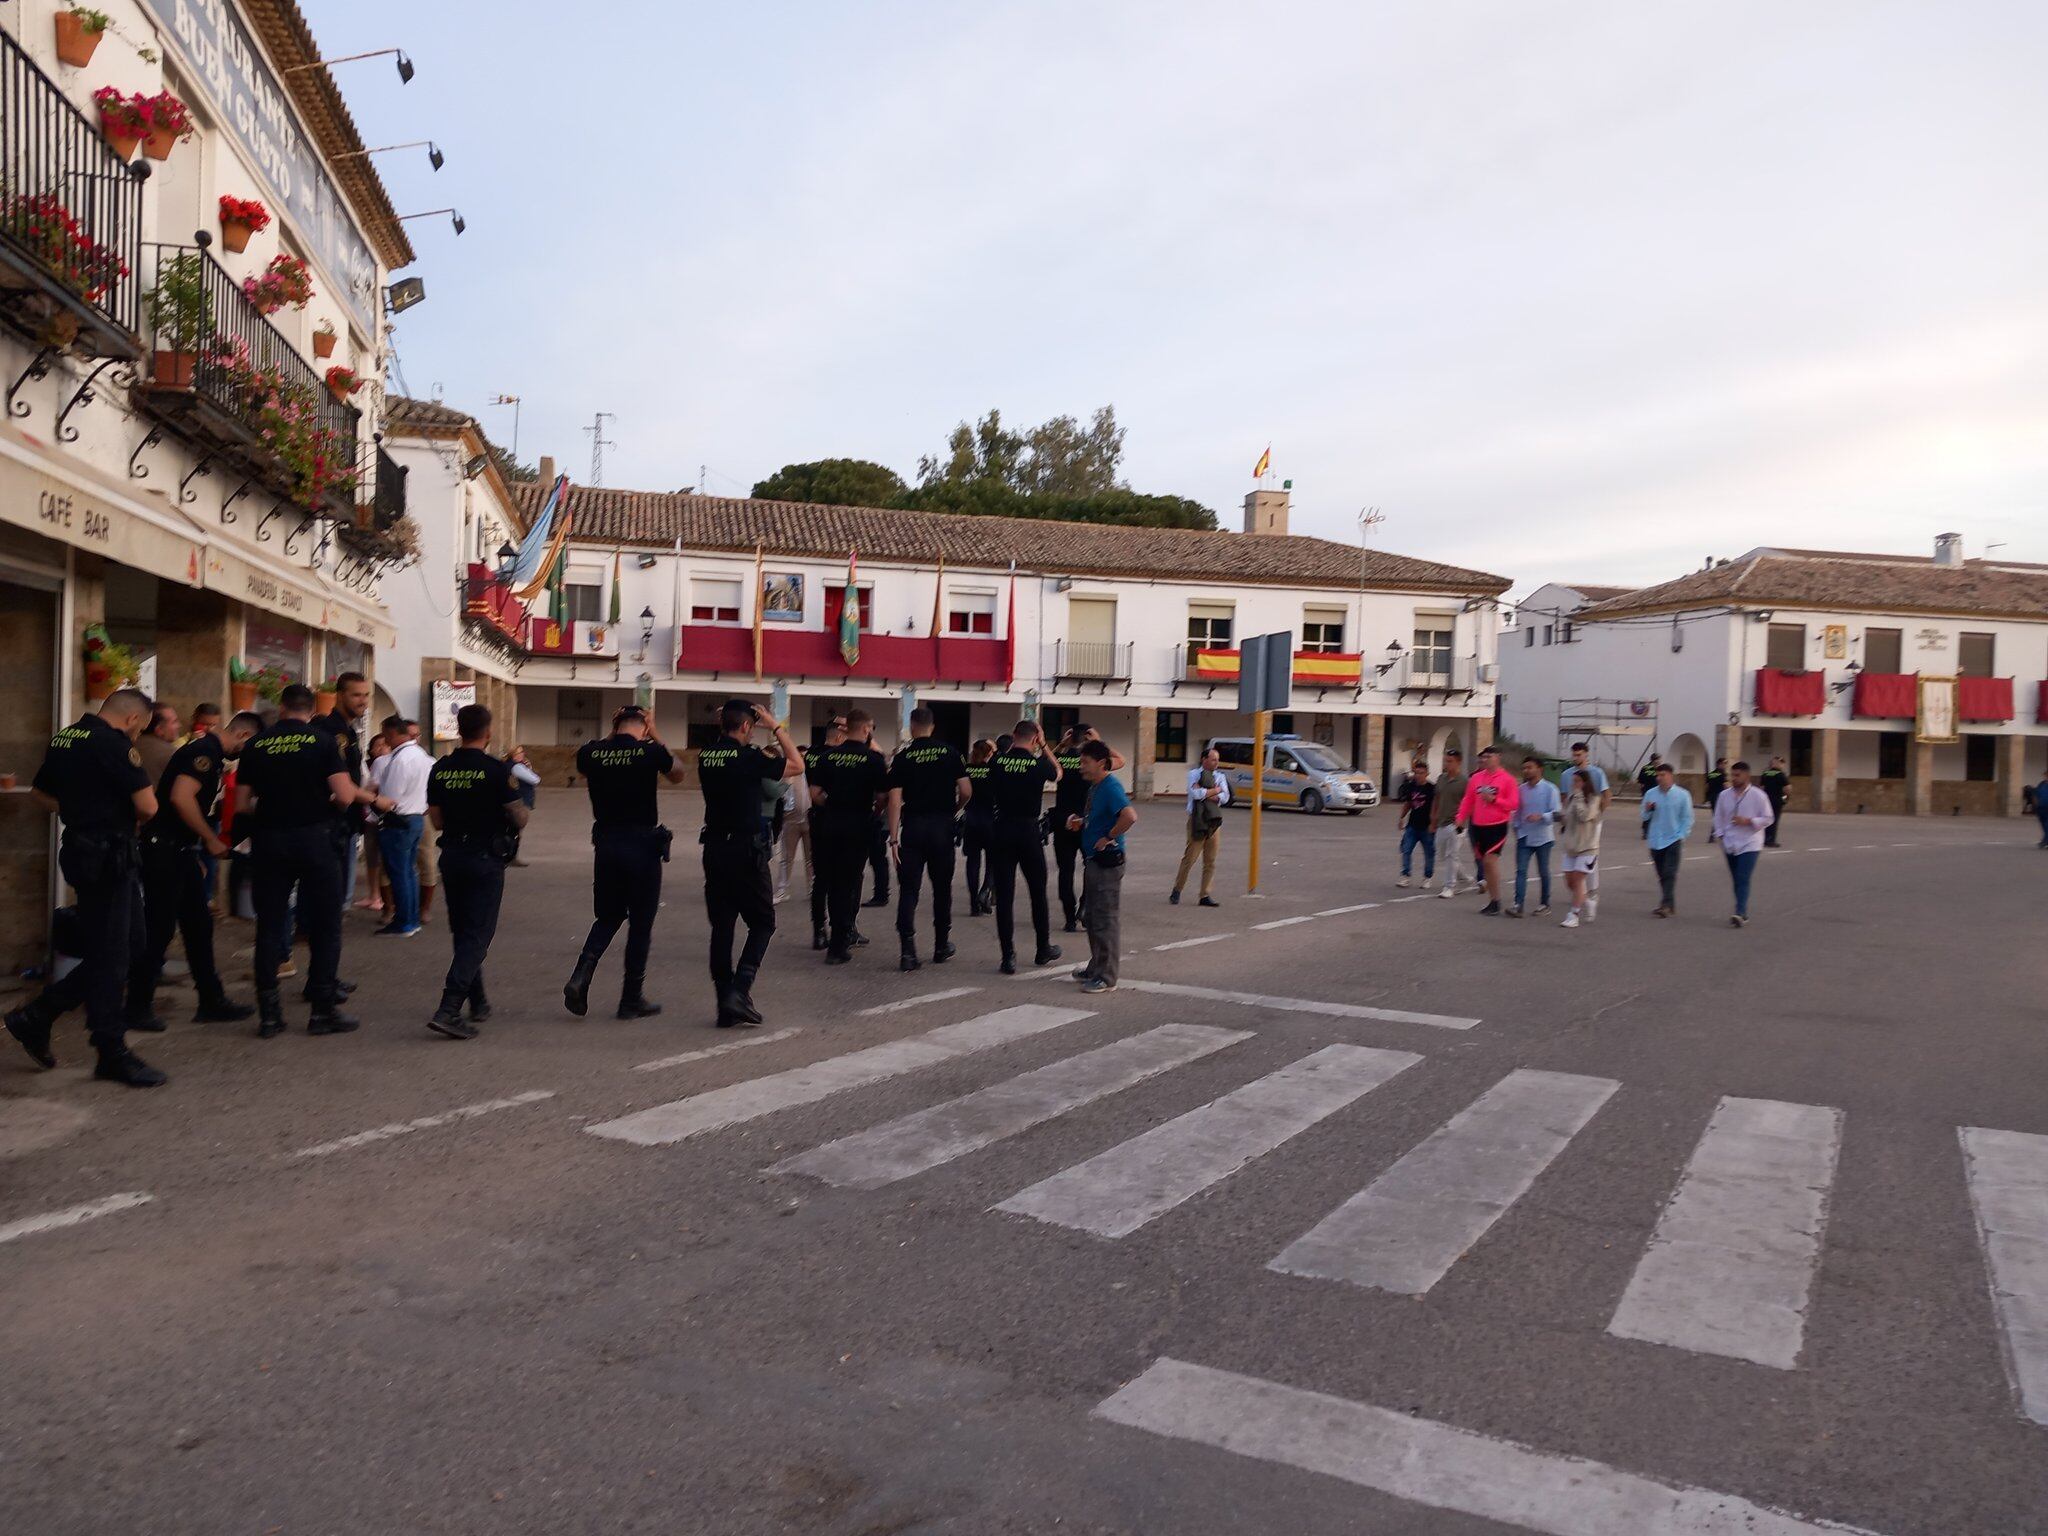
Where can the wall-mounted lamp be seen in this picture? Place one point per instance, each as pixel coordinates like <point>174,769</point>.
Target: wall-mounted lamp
<point>404,64</point>
<point>506,555</point>
<point>645,562</point>
<point>477,464</point>
<point>403,294</point>
<point>646,627</point>
<point>453,217</point>
<point>1848,682</point>
<point>434,155</point>
<point>1394,654</point>
<point>1763,615</point>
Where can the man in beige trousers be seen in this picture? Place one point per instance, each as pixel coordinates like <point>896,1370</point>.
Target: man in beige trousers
<point>1208,793</point>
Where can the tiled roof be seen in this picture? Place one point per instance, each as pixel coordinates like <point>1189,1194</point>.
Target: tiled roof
<point>1594,594</point>
<point>1845,580</point>
<point>605,516</point>
<point>402,411</point>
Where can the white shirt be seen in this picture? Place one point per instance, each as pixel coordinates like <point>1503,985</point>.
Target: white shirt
<point>1750,802</point>
<point>401,776</point>
<point>1196,794</point>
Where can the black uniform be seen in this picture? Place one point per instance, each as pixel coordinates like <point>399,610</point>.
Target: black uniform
<point>471,789</point>
<point>819,884</point>
<point>851,775</point>
<point>1017,782</point>
<point>928,771</point>
<point>1070,799</point>
<point>975,827</point>
<point>174,885</point>
<point>1777,783</point>
<point>1717,780</point>
<point>631,846</point>
<point>737,888</point>
<point>352,821</point>
<point>298,838</point>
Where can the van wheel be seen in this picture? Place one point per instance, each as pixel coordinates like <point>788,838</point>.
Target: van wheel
<point>1312,802</point>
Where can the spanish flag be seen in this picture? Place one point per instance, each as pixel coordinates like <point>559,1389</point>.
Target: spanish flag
<point>1265,463</point>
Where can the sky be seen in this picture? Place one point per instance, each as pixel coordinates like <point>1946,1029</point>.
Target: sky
<point>1578,291</point>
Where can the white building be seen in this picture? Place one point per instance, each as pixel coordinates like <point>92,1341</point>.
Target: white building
<point>1888,682</point>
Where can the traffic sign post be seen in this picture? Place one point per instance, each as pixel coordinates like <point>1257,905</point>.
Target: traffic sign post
<point>1265,682</point>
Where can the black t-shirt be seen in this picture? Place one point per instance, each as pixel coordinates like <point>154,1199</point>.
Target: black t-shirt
<point>200,761</point>
<point>1419,798</point>
<point>622,773</point>
<point>929,774</point>
<point>472,789</point>
<point>1071,798</point>
<point>287,767</point>
<point>980,807</point>
<point>731,776</point>
<point>851,774</point>
<point>92,771</point>
<point>1017,781</point>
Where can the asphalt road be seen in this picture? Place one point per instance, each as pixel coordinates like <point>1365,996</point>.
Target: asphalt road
<point>1489,1253</point>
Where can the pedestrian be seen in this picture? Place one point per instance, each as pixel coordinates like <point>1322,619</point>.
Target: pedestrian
<point>1443,819</point>
<point>401,777</point>
<point>835,733</point>
<point>1580,837</point>
<point>423,856</point>
<point>92,777</point>
<point>1717,781</point>
<point>1414,802</point>
<point>794,834</point>
<point>292,786</point>
<point>629,845</point>
<point>2041,807</point>
<point>1208,793</point>
<point>847,784</point>
<point>736,838</point>
<point>877,850</point>
<point>976,824</point>
<point>475,806</point>
<point>159,739</point>
<point>1667,823</point>
<point>1018,776</point>
<point>1536,819</point>
<point>526,779</point>
<point>344,724</point>
<point>205,721</point>
<point>1583,764</point>
<point>928,788</point>
<point>1106,819</point>
<point>1742,814</point>
<point>1488,808</point>
<point>1646,776</point>
<point>374,888</point>
<point>1069,796</point>
<point>173,844</point>
<point>1776,783</point>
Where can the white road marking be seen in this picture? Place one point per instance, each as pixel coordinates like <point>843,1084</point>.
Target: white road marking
<point>71,1216</point>
<point>1730,1267</point>
<point>1207,938</point>
<point>1862,847</point>
<point>924,1140</point>
<point>1429,1463</point>
<point>724,1048</point>
<point>2008,1177</point>
<point>1295,1004</point>
<point>1404,1231</point>
<point>1419,896</point>
<point>1117,1192</point>
<point>1285,922</point>
<point>424,1123</point>
<point>917,1002</point>
<point>1811,850</point>
<point>720,1107</point>
<point>1363,906</point>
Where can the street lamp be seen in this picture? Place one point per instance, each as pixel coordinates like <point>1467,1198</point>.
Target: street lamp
<point>454,217</point>
<point>1394,654</point>
<point>405,70</point>
<point>646,628</point>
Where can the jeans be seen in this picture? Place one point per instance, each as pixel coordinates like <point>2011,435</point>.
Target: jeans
<point>1540,852</point>
<point>1451,850</point>
<point>1667,859</point>
<point>399,841</point>
<point>1413,838</point>
<point>2041,815</point>
<point>1102,911</point>
<point>1741,869</point>
<point>348,865</point>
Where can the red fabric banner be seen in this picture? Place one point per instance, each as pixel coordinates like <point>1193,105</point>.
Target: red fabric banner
<point>1789,693</point>
<point>1982,700</point>
<point>1886,696</point>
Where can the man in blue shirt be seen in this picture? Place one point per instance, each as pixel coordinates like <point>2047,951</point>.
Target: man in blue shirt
<point>1667,822</point>
<point>1108,816</point>
<point>1535,833</point>
<point>1582,762</point>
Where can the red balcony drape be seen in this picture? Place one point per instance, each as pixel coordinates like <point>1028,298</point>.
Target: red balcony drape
<point>1886,696</point>
<point>1984,700</point>
<point>1789,693</point>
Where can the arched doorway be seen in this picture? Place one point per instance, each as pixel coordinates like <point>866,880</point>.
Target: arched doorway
<point>1689,754</point>
<point>1444,739</point>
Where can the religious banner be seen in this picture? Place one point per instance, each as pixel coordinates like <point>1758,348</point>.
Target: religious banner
<point>1937,718</point>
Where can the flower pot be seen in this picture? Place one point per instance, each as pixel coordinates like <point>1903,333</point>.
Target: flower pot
<point>100,682</point>
<point>75,45</point>
<point>173,370</point>
<point>158,145</point>
<point>323,701</point>
<point>323,343</point>
<point>6,781</point>
<point>340,392</point>
<point>234,235</point>
<point>122,144</point>
<point>241,696</point>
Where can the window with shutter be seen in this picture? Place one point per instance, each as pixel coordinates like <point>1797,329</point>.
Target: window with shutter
<point>1786,648</point>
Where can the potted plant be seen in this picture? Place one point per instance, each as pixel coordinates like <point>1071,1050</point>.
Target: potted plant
<point>107,666</point>
<point>51,231</point>
<point>123,119</point>
<point>271,683</point>
<point>342,382</point>
<point>169,121</point>
<point>241,685</point>
<point>78,34</point>
<point>325,696</point>
<point>181,311</point>
<point>287,280</point>
<point>241,217</point>
<point>323,339</point>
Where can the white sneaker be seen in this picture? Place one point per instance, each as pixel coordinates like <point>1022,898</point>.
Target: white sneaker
<point>1571,920</point>
<point>1592,907</point>
<point>1429,882</point>
<point>1403,883</point>
<point>1448,892</point>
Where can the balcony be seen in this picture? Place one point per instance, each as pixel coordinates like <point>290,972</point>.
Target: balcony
<point>222,375</point>
<point>807,653</point>
<point>488,604</point>
<point>1218,666</point>
<point>70,222</point>
<point>1092,661</point>
<point>1433,672</point>
<point>387,505</point>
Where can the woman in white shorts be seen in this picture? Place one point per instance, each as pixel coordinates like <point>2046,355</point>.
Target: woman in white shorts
<point>1578,838</point>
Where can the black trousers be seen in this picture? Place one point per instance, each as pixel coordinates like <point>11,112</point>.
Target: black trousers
<point>819,884</point>
<point>1667,859</point>
<point>173,901</point>
<point>1777,820</point>
<point>927,844</point>
<point>878,856</point>
<point>1017,846</point>
<point>109,909</point>
<point>841,849</point>
<point>625,890</point>
<point>472,890</point>
<point>974,840</point>
<point>308,858</point>
<point>737,889</point>
<point>1066,849</point>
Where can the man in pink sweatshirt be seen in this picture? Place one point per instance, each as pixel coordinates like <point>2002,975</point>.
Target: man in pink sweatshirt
<point>1488,809</point>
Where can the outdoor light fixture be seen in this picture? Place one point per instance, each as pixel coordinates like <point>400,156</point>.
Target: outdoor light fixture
<point>646,627</point>
<point>453,217</point>
<point>506,555</point>
<point>1393,658</point>
<point>404,64</point>
<point>645,562</point>
<point>434,155</point>
<point>1848,682</point>
<point>404,293</point>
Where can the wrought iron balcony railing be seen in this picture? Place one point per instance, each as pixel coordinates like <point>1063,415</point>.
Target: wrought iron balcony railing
<point>388,505</point>
<point>1092,660</point>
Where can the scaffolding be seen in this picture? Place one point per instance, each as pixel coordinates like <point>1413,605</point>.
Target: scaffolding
<point>1619,734</point>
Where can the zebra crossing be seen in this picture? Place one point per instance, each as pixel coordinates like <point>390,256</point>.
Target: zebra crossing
<point>1728,1270</point>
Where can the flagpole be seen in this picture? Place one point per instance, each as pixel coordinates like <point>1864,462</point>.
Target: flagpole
<point>757,609</point>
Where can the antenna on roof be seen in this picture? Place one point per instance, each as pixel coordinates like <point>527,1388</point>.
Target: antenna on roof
<point>598,443</point>
<point>1369,518</point>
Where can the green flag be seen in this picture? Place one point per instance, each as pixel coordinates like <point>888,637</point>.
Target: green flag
<point>849,615</point>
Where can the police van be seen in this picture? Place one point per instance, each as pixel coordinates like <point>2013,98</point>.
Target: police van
<point>1304,774</point>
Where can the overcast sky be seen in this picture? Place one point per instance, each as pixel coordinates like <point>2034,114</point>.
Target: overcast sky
<point>1566,290</point>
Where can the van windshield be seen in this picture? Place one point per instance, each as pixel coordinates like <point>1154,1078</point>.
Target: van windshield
<point>1316,758</point>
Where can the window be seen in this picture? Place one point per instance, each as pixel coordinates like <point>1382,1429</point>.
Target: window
<point>1235,754</point>
<point>1210,626</point>
<point>1285,761</point>
<point>1980,757</point>
<point>1802,754</point>
<point>835,605</point>
<point>1564,636</point>
<point>715,600</point>
<point>1170,737</point>
<point>1891,754</point>
<point>1058,719</point>
<point>1322,629</point>
<point>1283,725</point>
<point>1529,638</point>
<point>1883,650</point>
<point>971,613</point>
<point>1975,655</point>
<point>1549,633</point>
<point>1786,648</point>
<point>584,600</point>
<point>1432,657</point>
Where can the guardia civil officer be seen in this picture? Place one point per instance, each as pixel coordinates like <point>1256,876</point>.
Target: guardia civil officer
<point>1017,779</point>
<point>847,782</point>
<point>176,844</point>
<point>92,777</point>
<point>976,821</point>
<point>351,704</point>
<point>737,839</point>
<point>475,804</point>
<point>631,845</point>
<point>1070,799</point>
<point>292,785</point>
<point>835,733</point>
<point>928,787</point>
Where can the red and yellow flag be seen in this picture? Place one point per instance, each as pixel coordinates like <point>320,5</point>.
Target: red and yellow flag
<point>1265,463</point>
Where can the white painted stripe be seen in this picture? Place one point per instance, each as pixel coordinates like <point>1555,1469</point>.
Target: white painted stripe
<point>1429,1463</point>
<point>1207,938</point>
<point>723,1048</point>
<point>740,1102</point>
<point>71,1216</point>
<point>1119,1191</point>
<point>917,1002</point>
<point>1285,922</point>
<point>2008,1176</point>
<point>1295,1004</point>
<point>424,1123</point>
<point>1404,1230</point>
<point>1730,1267</point>
<point>1815,850</point>
<point>1363,906</point>
<point>922,1141</point>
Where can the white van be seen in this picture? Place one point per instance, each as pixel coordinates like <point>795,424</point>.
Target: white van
<point>1303,774</point>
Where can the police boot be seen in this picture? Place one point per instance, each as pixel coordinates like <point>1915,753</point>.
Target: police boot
<point>909,962</point>
<point>328,1019</point>
<point>479,1004</point>
<point>632,1004</point>
<point>118,1064</point>
<point>141,1012</point>
<point>576,994</point>
<point>1009,966</point>
<point>31,1032</point>
<point>739,1002</point>
<point>942,950</point>
<point>342,990</point>
<point>1047,953</point>
<point>448,1019</point>
<point>220,1009</point>
<point>820,939</point>
<point>269,1014</point>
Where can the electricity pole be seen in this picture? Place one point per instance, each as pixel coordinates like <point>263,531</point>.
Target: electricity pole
<point>598,443</point>
<point>513,401</point>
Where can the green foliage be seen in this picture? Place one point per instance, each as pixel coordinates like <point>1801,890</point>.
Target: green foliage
<point>180,308</point>
<point>1121,507</point>
<point>90,22</point>
<point>834,482</point>
<point>1058,458</point>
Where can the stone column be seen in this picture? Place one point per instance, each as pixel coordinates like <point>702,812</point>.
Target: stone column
<point>1145,751</point>
<point>2012,773</point>
<point>1919,778</point>
<point>1375,747</point>
<point>1727,743</point>
<point>196,635</point>
<point>1827,768</point>
<point>1482,738</point>
<point>88,606</point>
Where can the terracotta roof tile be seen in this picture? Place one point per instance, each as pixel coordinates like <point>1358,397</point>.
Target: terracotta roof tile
<point>1843,580</point>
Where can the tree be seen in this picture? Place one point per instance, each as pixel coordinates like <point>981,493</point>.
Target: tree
<point>1059,458</point>
<point>835,482</point>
